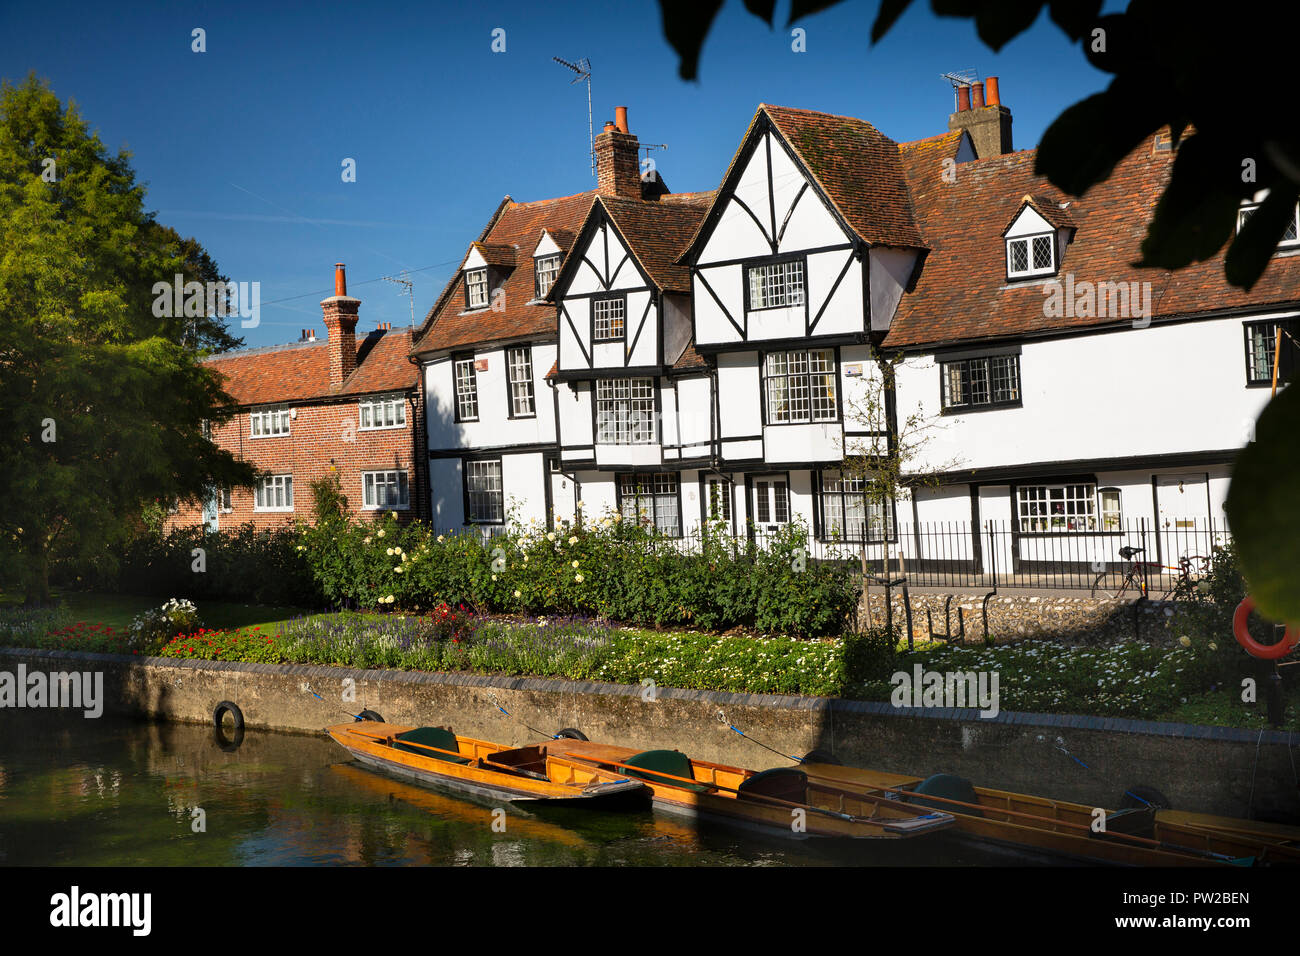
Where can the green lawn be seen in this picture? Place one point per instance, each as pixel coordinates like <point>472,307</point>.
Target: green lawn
<point>118,610</point>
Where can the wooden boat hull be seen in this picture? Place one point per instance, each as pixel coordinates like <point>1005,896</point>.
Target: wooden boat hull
<point>830,811</point>
<point>536,781</point>
<point>1063,828</point>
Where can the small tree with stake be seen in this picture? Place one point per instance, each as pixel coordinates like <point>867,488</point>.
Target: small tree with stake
<point>888,462</point>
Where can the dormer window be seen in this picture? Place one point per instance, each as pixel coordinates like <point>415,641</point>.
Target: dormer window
<point>546,269</point>
<point>1031,256</point>
<point>1289,238</point>
<point>476,288</point>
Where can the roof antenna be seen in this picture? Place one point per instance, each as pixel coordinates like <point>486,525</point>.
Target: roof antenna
<point>583,70</point>
<point>958,79</point>
<point>408,290</point>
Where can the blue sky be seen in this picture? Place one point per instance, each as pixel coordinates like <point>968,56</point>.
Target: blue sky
<point>242,146</point>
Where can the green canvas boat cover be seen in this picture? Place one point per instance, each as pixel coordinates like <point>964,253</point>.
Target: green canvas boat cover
<point>672,762</point>
<point>431,737</point>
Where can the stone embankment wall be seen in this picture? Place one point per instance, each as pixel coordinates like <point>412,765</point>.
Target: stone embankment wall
<point>1064,617</point>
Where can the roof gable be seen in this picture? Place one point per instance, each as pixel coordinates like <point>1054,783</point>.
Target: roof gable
<point>855,169</point>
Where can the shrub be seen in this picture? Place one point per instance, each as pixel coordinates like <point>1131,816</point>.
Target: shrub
<point>25,626</point>
<point>155,627</point>
<point>610,568</point>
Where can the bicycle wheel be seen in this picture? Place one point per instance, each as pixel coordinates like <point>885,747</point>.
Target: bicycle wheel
<point>1096,582</point>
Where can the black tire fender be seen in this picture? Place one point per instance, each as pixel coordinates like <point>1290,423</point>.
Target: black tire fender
<point>570,733</point>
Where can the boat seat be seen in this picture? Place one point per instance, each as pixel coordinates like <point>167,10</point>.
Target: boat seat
<point>783,783</point>
<point>949,787</point>
<point>1134,821</point>
<point>431,737</point>
<point>672,762</point>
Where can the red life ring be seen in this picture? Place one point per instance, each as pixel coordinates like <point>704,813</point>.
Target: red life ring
<point>1268,652</point>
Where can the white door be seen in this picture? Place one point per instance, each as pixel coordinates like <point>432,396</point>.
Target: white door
<point>563,496</point>
<point>1183,519</point>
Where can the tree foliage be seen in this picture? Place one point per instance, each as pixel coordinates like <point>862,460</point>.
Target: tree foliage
<point>102,402</point>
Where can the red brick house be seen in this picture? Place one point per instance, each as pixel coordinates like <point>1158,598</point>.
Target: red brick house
<point>348,405</point>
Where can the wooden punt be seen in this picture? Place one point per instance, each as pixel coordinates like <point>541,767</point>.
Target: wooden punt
<point>437,757</point>
<point>768,800</point>
<point>1134,837</point>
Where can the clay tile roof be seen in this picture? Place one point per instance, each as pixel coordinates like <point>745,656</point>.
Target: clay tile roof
<point>1049,209</point>
<point>657,233</point>
<point>561,237</point>
<point>962,293</point>
<point>300,371</point>
<point>497,253</point>
<point>859,169</point>
<point>515,224</point>
<point>690,359</point>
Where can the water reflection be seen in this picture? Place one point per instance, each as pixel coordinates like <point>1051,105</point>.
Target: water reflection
<point>104,792</point>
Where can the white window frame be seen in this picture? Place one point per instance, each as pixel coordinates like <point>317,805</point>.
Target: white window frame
<point>465,388</point>
<point>270,422</point>
<point>1036,508</point>
<point>271,484</point>
<point>1030,269</point>
<point>848,514</point>
<point>653,500</point>
<point>519,381</point>
<point>776,285</point>
<point>1245,212</point>
<point>546,268</point>
<point>799,387</point>
<point>604,320</point>
<point>485,473</point>
<point>625,411</point>
<point>388,481</point>
<point>476,288</point>
<point>378,409</point>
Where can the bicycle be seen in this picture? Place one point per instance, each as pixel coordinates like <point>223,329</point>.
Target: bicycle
<point>1190,569</point>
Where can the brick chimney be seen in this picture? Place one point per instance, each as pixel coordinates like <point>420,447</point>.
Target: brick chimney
<point>618,169</point>
<point>986,119</point>
<point>340,313</point>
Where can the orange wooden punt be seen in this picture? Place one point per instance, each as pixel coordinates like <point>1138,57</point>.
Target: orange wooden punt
<point>754,800</point>
<point>491,770</point>
<point>1166,838</point>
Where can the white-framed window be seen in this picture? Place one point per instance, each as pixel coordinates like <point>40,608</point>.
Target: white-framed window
<point>1031,256</point>
<point>776,284</point>
<point>546,268</point>
<point>610,317</point>
<point>651,499</point>
<point>625,411</point>
<point>385,489</point>
<point>273,493</point>
<point>476,288</point>
<point>1289,238</point>
<point>972,382</point>
<point>849,513</point>
<point>388,411</point>
<point>1112,515</point>
<point>484,492</point>
<point>1261,347</point>
<point>800,387</point>
<point>269,422</point>
<point>519,372</point>
<point>719,498</point>
<point>466,389</point>
<point>771,500</point>
<point>1049,508</point>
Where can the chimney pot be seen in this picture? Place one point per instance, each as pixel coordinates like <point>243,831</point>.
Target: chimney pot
<point>993,97</point>
<point>963,99</point>
<point>977,96</point>
<point>620,118</point>
<point>340,279</point>
<point>609,126</point>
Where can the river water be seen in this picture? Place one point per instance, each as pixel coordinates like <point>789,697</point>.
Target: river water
<point>124,793</point>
